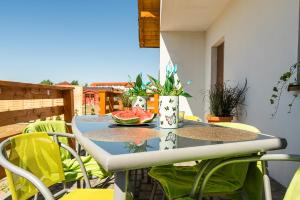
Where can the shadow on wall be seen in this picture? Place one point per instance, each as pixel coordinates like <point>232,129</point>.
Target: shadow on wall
<point>186,49</point>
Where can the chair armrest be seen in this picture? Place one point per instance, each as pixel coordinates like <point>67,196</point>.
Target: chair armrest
<point>68,135</point>
<point>280,157</point>
<point>23,173</point>
<point>73,153</point>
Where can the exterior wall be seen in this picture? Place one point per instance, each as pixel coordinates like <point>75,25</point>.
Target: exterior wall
<point>78,91</point>
<point>260,44</point>
<point>261,39</point>
<point>186,49</point>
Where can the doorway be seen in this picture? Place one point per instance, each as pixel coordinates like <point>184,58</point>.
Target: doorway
<point>217,63</point>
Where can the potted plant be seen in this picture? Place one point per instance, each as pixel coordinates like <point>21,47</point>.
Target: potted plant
<point>225,101</point>
<point>169,94</point>
<point>287,81</point>
<point>138,93</point>
<point>125,101</point>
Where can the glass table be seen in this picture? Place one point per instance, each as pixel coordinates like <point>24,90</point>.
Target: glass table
<point>122,148</point>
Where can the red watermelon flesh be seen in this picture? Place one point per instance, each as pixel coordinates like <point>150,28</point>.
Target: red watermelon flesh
<point>134,116</point>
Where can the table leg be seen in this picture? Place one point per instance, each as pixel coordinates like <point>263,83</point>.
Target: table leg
<point>121,185</point>
<point>266,179</point>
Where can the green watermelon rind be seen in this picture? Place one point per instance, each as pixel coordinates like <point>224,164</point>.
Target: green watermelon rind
<point>135,120</point>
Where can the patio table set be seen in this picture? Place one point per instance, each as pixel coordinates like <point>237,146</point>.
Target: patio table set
<point>120,149</point>
<point>192,141</point>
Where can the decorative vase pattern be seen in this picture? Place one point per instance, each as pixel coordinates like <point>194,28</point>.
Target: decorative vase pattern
<point>168,111</point>
<point>168,139</point>
<point>140,101</point>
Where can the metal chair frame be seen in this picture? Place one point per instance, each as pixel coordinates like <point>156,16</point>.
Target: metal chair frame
<point>263,158</point>
<point>35,180</point>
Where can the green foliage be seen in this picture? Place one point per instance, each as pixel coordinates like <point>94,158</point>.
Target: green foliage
<point>74,82</point>
<point>126,99</point>
<point>58,118</point>
<point>46,82</point>
<point>169,88</point>
<point>225,100</point>
<point>139,88</point>
<point>281,86</point>
<point>93,111</point>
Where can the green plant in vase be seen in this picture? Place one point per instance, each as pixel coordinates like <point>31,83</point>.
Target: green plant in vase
<point>126,100</point>
<point>169,93</point>
<point>138,93</point>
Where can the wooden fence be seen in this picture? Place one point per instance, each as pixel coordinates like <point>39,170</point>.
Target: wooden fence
<point>109,102</point>
<point>31,102</point>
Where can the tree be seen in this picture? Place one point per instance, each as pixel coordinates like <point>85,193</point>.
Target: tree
<point>74,82</point>
<point>46,82</point>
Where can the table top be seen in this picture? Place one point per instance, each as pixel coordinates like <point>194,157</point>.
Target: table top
<point>118,147</point>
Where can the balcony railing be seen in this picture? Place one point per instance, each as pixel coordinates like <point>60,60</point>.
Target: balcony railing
<point>23,102</point>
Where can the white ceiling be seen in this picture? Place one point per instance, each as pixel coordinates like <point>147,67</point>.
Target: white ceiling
<point>190,15</point>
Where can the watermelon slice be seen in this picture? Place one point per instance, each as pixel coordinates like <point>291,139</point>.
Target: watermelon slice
<point>135,116</point>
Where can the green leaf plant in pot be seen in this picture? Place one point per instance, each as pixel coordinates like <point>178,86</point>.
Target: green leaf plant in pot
<point>138,93</point>
<point>225,101</point>
<point>169,93</point>
<point>125,101</point>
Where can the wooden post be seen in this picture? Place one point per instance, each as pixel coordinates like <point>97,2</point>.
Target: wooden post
<point>68,96</point>
<point>68,105</point>
<point>102,102</point>
<point>156,103</point>
<point>111,102</point>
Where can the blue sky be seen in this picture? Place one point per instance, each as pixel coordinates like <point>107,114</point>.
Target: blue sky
<point>85,40</point>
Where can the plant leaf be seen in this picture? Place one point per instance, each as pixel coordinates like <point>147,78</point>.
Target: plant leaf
<point>139,81</point>
<point>185,94</point>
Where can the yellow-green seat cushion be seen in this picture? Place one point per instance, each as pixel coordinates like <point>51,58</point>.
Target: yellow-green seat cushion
<point>177,181</point>
<point>90,194</point>
<point>293,191</point>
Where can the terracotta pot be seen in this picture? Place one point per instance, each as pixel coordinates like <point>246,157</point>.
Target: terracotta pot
<point>212,119</point>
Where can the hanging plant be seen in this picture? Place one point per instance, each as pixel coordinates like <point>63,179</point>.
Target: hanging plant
<point>281,86</point>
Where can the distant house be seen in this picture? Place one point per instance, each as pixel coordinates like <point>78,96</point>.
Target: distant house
<point>91,93</point>
<point>64,83</point>
<point>77,96</point>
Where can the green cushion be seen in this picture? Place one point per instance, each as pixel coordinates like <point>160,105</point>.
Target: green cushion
<point>293,191</point>
<point>177,181</point>
<point>71,166</point>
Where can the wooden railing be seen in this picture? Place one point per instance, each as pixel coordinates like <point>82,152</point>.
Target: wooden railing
<point>109,102</point>
<point>24,102</point>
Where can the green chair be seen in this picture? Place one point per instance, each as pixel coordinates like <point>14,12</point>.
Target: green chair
<point>32,164</point>
<point>293,191</point>
<point>71,166</point>
<point>178,181</point>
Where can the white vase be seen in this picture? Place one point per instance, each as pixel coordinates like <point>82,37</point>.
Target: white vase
<point>168,111</point>
<point>140,101</point>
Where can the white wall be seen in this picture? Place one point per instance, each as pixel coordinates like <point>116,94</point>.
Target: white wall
<point>260,44</point>
<point>186,49</point>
